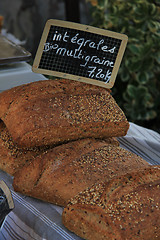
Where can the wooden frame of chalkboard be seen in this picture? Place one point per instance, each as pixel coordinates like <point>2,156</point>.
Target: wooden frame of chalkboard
<point>80,52</point>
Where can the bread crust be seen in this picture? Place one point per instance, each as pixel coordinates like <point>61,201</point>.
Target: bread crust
<point>60,173</point>
<point>56,111</point>
<point>126,207</point>
<point>12,157</point>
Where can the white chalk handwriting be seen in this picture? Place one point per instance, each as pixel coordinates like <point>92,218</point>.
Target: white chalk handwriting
<point>76,48</point>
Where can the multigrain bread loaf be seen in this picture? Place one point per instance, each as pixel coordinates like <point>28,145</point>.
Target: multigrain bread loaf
<point>12,157</point>
<point>62,172</point>
<point>125,208</point>
<point>56,111</point>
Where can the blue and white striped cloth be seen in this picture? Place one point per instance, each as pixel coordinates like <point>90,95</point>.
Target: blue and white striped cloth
<point>143,142</point>
<point>33,219</point>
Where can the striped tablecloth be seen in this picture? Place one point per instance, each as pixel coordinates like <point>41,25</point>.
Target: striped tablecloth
<point>34,219</point>
<point>144,142</point>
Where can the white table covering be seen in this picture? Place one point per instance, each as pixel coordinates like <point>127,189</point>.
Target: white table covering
<point>34,219</point>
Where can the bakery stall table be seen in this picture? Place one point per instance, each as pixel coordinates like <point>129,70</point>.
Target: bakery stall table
<point>35,219</point>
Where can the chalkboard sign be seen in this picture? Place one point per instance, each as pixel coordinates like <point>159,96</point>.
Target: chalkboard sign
<point>80,52</point>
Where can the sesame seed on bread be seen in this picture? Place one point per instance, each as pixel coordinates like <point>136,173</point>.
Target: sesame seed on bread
<point>57,111</point>
<point>126,207</point>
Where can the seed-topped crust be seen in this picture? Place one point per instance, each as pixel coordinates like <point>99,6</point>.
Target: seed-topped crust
<point>12,157</point>
<point>126,207</point>
<point>57,111</point>
<point>62,172</point>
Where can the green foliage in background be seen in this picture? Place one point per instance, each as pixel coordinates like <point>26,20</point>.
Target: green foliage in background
<point>137,87</point>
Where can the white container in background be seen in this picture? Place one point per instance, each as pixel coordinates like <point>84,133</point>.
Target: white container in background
<point>15,74</point>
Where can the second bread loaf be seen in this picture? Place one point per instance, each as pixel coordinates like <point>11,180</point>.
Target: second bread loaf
<point>59,174</point>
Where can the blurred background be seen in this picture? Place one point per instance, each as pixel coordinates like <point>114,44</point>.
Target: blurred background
<point>25,19</point>
<point>137,87</point>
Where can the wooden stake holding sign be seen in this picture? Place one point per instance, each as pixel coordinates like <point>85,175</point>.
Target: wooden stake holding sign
<point>80,52</point>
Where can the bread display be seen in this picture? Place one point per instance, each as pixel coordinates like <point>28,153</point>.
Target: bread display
<point>58,140</point>
<point>125,208</point>
<point>62,172</point>
<point>57,111</point>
